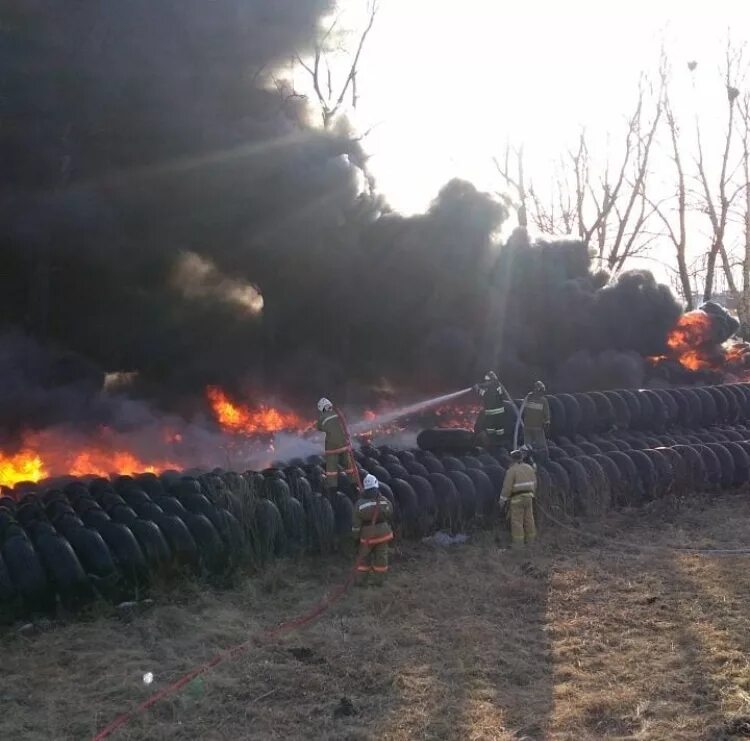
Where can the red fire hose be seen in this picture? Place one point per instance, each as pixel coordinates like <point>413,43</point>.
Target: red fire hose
<point>231,653</point>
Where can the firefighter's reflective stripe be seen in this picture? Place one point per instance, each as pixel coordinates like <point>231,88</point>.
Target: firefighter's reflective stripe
<point>377,539</point>
<point>379,569</point>
<point>328,419</point>
<point>501,410</point>
<point>524,486</point>
<point>535,405</point>
<point>363,567</point>
<point>366,505</point>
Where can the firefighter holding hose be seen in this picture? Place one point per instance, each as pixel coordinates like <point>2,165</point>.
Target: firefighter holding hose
<point>338,448</point>
<point>536,420</point>
<point>490,425</point>
<point>519,488</point>
<point>371,525</point>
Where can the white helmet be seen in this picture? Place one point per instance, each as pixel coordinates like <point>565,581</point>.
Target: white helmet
<point>370,482</point>
<point>324,404</point>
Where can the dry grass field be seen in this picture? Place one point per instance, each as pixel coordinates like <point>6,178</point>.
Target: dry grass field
<point>581,641</point>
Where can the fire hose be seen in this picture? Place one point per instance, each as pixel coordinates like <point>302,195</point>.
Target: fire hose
<point>287,627</point>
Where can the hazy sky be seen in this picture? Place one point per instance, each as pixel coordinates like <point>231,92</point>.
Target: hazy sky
<point>447,81</point>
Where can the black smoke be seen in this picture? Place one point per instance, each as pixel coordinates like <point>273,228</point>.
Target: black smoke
<point>169,208</point>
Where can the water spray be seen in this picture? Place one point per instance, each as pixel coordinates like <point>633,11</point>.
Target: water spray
<point>366,425</point>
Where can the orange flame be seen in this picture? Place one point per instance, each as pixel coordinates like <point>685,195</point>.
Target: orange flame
<point>242,420</point>
<point>103,463</point>
<point>26,465</point>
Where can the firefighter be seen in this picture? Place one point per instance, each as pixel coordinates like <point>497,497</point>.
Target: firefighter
<point>536,420</point>
<point>490,426</point>
<point>519,488</point>
<point>338,449</point>
<point>371,525</point>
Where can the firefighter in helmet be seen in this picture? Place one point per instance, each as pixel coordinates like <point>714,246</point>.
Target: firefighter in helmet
<point>338,449</point>
<point>536,420</point>
<point>490,425</point>
<point>519,488</point>
<point>371,525</point>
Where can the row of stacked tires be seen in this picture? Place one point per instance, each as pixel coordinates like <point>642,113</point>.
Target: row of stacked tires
<point>69,545</point>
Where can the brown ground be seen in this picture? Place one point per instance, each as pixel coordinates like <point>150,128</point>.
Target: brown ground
<point>463,643</point>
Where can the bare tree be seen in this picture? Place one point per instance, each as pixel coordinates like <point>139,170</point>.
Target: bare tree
<point>743,299</point>
<point>716,204</point>
<point>331,94</point>
<point>677,232</point>
<point>609,212</point>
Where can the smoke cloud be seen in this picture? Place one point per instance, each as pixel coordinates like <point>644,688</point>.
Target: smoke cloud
<point>169,210</point>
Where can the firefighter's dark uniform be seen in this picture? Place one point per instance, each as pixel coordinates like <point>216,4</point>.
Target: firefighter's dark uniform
<point>337,448</point>
<point>492,420</point>
<point>371,524</point>
<point>536,420</point>
<point>519,488</point>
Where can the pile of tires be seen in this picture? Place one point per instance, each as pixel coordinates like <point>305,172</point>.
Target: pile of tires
<point>62,547</point>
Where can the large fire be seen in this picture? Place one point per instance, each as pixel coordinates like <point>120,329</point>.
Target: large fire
<point>694,344</point>
<point>240,419</point>
<point>50,453</point>
<point>26,465</point>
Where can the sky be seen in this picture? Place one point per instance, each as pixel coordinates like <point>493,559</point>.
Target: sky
<point>445,83</point>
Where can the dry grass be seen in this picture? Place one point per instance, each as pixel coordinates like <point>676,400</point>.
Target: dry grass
<point>464,643</point>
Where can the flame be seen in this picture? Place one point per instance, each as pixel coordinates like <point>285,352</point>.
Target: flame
<point>242,420</point>
<point>104,463</point>
<point>693,345</point>
<point>693,330</point>
<point>26,465</point>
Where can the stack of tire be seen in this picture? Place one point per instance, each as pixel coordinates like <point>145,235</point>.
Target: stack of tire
<point>63,546</point>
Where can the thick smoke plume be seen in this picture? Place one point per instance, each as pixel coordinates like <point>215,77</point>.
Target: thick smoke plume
<point>167,208</point>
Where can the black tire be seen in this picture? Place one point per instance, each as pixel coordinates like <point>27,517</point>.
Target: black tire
<point>182,545</point>
<point>27,574</point>
<point>426,503</point>
<point>558,420</point>
<point>600,500</point>
<point>210,545</point>
<point>467,493</point>
<point>408,506</point>
<point>589,417</point>
<point>126,552</point>
<point>573,414</point>
<point>91,550</point>
<point>726,465</point>
<point>580,488</point>
<point>448,500</point>
<point>452,464</point>
<point>415,468</point>
<point>487,496</point>
<point>632,493</point>
<point>153,544</point>
<point>64,570</point>
<point>646,472</point>
<point>446,440</point>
